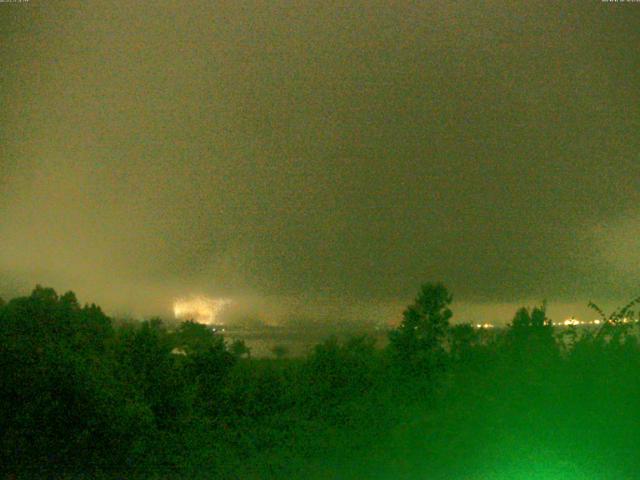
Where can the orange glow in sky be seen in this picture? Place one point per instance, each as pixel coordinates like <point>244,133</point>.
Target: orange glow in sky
<point>199,308</point>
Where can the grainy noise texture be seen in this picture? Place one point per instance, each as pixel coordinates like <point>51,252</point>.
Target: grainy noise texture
<point>345,151</point>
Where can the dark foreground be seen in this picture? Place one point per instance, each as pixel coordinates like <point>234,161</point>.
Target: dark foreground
<point>83,396</point>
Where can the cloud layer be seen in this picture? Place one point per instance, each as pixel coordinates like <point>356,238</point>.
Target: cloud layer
<point>343,152</point>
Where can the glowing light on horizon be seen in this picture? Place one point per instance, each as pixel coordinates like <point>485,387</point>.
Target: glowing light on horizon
<point>571,321</point>
<point>485,326</point>
<point>200,308</point>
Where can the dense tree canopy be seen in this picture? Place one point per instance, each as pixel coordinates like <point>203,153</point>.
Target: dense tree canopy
<point>419,341</point>
<point>83,396</point>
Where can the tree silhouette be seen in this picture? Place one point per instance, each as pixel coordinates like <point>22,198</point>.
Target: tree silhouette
<point>419,340</point>
<point>144,353</point>
<point>84,397</point>
<point>618,325</point>
<point>207,361</point>
<point>463,340</point>
<point>195,338</point>
<point>530,337</point>
<point>63,403</point>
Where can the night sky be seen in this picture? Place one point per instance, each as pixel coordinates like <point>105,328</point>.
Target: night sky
<point>321,158</point>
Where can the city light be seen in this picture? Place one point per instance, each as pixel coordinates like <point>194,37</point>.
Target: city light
<point>199,308</point>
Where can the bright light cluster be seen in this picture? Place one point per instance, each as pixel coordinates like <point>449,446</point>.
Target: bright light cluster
<point>199,308</point>
<point>485,326</point>
<point>572,322</point>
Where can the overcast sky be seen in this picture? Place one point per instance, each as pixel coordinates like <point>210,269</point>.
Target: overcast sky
<point>323,154</point>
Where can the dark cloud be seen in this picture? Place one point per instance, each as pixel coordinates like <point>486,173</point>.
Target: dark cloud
<point>342,151</point>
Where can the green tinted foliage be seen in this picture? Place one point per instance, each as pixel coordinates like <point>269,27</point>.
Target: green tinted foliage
<point>146,361</point>
<point>80,398</point>
<point>205,361</point>
<point>418,343</point>
<point>62,407</point>
<point>530,338</point>
<point>337,370</point>
<point>239,349</point>
<point>464,343</point>
<point>195,338</point>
